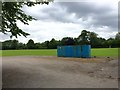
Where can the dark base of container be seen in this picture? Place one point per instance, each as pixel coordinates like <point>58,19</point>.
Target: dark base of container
<point>73,57</point>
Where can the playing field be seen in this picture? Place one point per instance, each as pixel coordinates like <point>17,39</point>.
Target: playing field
<point>101,52</point>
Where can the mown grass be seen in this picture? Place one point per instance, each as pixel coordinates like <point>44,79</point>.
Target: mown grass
<point>100,52</point>
<point>105,52</point>
<point>44,52</point>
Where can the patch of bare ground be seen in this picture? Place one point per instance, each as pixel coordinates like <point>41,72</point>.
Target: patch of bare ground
<point>59,72</point>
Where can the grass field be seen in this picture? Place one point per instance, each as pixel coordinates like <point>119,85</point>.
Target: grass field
<point>101,52</point>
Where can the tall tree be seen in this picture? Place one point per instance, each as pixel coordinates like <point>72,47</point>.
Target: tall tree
<point>84,38</point>
<point>12,11</point>
<point>117,39</point>
<point>14,44</point>
<point>7,44</point>
<point>67,41</point>
<point>30,44</point>
<point>117,35</point>
<point>52,44</point>
<point>70,41</point>
<point>47,44</point>
<point>22,46</point>
<point>93,39</point>
<point>100,42</point>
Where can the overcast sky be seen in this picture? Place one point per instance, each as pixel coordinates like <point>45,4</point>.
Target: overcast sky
<point>68,19</point>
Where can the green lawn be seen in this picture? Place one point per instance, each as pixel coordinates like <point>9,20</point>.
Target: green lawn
<point>43,52</point>
<point>105,52</point>
<point>101,52</point>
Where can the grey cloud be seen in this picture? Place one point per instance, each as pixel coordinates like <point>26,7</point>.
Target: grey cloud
<point>102,16</point>
<point>56,13</point>
<point>53,12</point>
<point>106,20</point>
<point>60,11</point>
<point>85,8</point>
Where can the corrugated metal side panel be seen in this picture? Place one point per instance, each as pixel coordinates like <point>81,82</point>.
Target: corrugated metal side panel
<point>86,51</point>
<point>68,51</point>
<point>74,51</point>
<point>71,51</point>
<point>63,51</point>
<point>59,51</point>
<point>78,51</point>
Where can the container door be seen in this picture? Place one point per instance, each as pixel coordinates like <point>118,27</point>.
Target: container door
<point>86,51</point>
<point>59,51</point>
<point>63,51</point>
<point>77,51</point>
<point>69,51</point>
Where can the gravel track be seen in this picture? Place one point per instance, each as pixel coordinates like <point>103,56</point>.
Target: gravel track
<point>54,72</point>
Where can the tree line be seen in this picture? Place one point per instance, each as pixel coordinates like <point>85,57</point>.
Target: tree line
<point>85,38</point>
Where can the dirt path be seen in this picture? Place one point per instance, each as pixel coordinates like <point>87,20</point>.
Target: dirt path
<point>53,72</point>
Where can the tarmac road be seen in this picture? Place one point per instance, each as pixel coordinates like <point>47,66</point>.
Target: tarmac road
<point>53,72</point>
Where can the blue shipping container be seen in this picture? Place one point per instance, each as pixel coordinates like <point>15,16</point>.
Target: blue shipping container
<point>81,51</point>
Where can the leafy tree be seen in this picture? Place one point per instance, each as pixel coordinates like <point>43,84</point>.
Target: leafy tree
<point>67,41</point>
<point>52,44</point>
<point>76,41</point>
<point>30,44</point>
<point>117,36</point>
<point>37,46</point>
<point>117,39</point>
<point>14,44</point>
<point>47,44</point>
<point>70,41</point>
<point>93,39</point>
<point>100,42</point>
<point>84,38</point>
<point>110,42</point>
<point>63,41</point>
<point>7,45</point>
<point>22,46</point>
<point>12,12</point>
